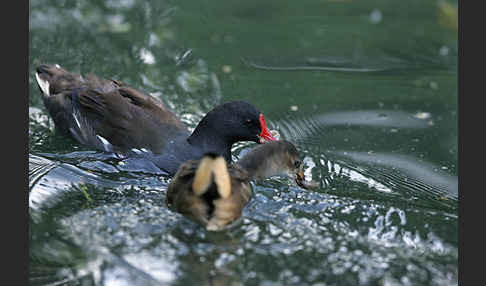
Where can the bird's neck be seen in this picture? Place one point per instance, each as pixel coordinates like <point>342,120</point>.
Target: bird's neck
<point>211,142</point>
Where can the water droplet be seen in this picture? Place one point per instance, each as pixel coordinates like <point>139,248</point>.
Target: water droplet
<point>422,115</point>
<point>376,16</point>
<point>227,69</point>
<point>147,56</point>
<point>444,51</point>
<point>434,85</point>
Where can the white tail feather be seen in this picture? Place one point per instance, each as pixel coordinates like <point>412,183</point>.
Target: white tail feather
<point>43,84</point>
<point>106,144</point>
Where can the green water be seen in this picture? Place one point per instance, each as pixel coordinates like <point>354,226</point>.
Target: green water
<point>367,90</point>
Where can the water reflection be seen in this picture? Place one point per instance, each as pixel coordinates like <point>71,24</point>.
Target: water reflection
<point>412,171</point>
<point>138,240</point>
<point>307,128</point>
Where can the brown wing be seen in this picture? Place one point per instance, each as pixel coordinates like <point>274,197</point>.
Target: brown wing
<point>91,107</point>
<point>181,181</point>
<point>240,187</point>
<point>230,209</point>
<point>129,119</point>
<point>180,196</point>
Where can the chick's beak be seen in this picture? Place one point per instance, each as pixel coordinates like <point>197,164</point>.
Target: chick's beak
<point>299,178</point>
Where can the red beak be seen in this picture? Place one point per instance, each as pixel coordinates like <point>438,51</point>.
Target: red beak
<point>265,135</point>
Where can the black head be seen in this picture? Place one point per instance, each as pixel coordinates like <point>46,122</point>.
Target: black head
<point>233,122</point>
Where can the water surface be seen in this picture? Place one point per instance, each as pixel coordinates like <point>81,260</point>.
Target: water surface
<point>366,90</point>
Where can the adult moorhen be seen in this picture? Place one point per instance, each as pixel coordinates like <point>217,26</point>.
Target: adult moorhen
<point>111,116</point>
<point>214,194</point>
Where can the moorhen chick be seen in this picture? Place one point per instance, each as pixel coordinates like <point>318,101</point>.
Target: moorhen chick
<point>214,194</point>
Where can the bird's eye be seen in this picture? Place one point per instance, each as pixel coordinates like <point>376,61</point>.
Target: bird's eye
<point>247,121</point>
<point>297,164</point>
